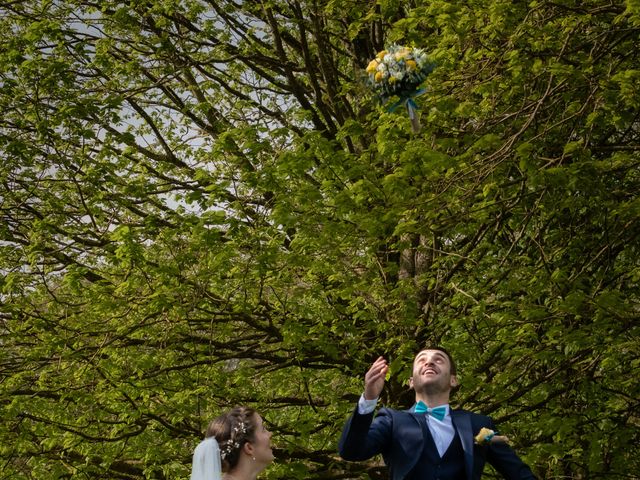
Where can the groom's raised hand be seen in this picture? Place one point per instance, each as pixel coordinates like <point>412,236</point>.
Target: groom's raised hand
<point>374,379</point>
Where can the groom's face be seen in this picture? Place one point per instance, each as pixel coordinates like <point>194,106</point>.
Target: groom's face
<point>432,370</point>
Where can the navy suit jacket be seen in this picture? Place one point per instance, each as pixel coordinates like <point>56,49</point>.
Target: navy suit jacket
<point>398,436</point>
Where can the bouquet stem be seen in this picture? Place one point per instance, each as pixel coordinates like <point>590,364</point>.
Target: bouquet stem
<point>414,117</point>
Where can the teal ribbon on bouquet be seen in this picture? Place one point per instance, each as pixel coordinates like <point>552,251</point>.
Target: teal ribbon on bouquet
<point>408,101</point>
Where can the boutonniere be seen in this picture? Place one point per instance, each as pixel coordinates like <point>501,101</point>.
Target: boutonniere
<point>486,436</point>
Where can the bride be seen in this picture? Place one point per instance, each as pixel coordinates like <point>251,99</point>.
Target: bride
<point>237,446</point>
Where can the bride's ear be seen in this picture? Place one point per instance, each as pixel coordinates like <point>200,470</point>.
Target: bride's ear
<point>248,448</point>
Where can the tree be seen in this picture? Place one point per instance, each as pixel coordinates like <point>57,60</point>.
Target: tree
<point>203,206</point>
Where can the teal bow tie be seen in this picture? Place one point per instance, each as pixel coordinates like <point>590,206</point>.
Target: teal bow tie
<point>438,412</point>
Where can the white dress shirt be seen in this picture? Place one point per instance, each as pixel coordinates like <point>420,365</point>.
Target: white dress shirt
<point>442,431</point>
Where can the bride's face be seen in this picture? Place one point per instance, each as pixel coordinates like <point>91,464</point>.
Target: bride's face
<point>262,443</point>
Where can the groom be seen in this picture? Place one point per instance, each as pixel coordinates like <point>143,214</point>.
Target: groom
<point>429,441</point>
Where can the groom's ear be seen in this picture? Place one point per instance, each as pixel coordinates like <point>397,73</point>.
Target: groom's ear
<point>454,382</point>
<point>411,383</point>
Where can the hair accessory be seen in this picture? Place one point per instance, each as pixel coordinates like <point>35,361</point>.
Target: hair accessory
<point>237,434</point>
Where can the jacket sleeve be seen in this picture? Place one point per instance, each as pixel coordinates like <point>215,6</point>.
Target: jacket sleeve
<point>364,436</point>
<point>505,460</point>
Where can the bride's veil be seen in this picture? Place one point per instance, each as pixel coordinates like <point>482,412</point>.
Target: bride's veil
<point>206,461</point>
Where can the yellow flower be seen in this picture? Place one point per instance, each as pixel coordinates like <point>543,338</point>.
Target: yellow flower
<point>393,79</point>
<point>381,54</point>
<point>379,76</point>
<point>403,52</point>
<point>373,64</point>
<point>411,64</point>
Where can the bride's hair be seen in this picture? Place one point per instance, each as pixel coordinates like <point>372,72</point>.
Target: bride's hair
<point>232,430</point>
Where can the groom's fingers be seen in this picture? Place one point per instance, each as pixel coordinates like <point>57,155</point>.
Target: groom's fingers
<point>374,378</point>
<point>378,366</point>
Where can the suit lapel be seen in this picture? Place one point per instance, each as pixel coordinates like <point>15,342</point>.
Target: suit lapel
<point>462,422</point>
<point>430,443</point>
<point>408,431</point>
<point>412,439</point>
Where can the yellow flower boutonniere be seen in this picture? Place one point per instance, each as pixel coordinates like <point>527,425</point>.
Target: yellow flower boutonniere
<point>486,436</point>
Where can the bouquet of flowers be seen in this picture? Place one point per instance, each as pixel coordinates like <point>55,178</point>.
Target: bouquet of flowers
<point>399,71</point>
